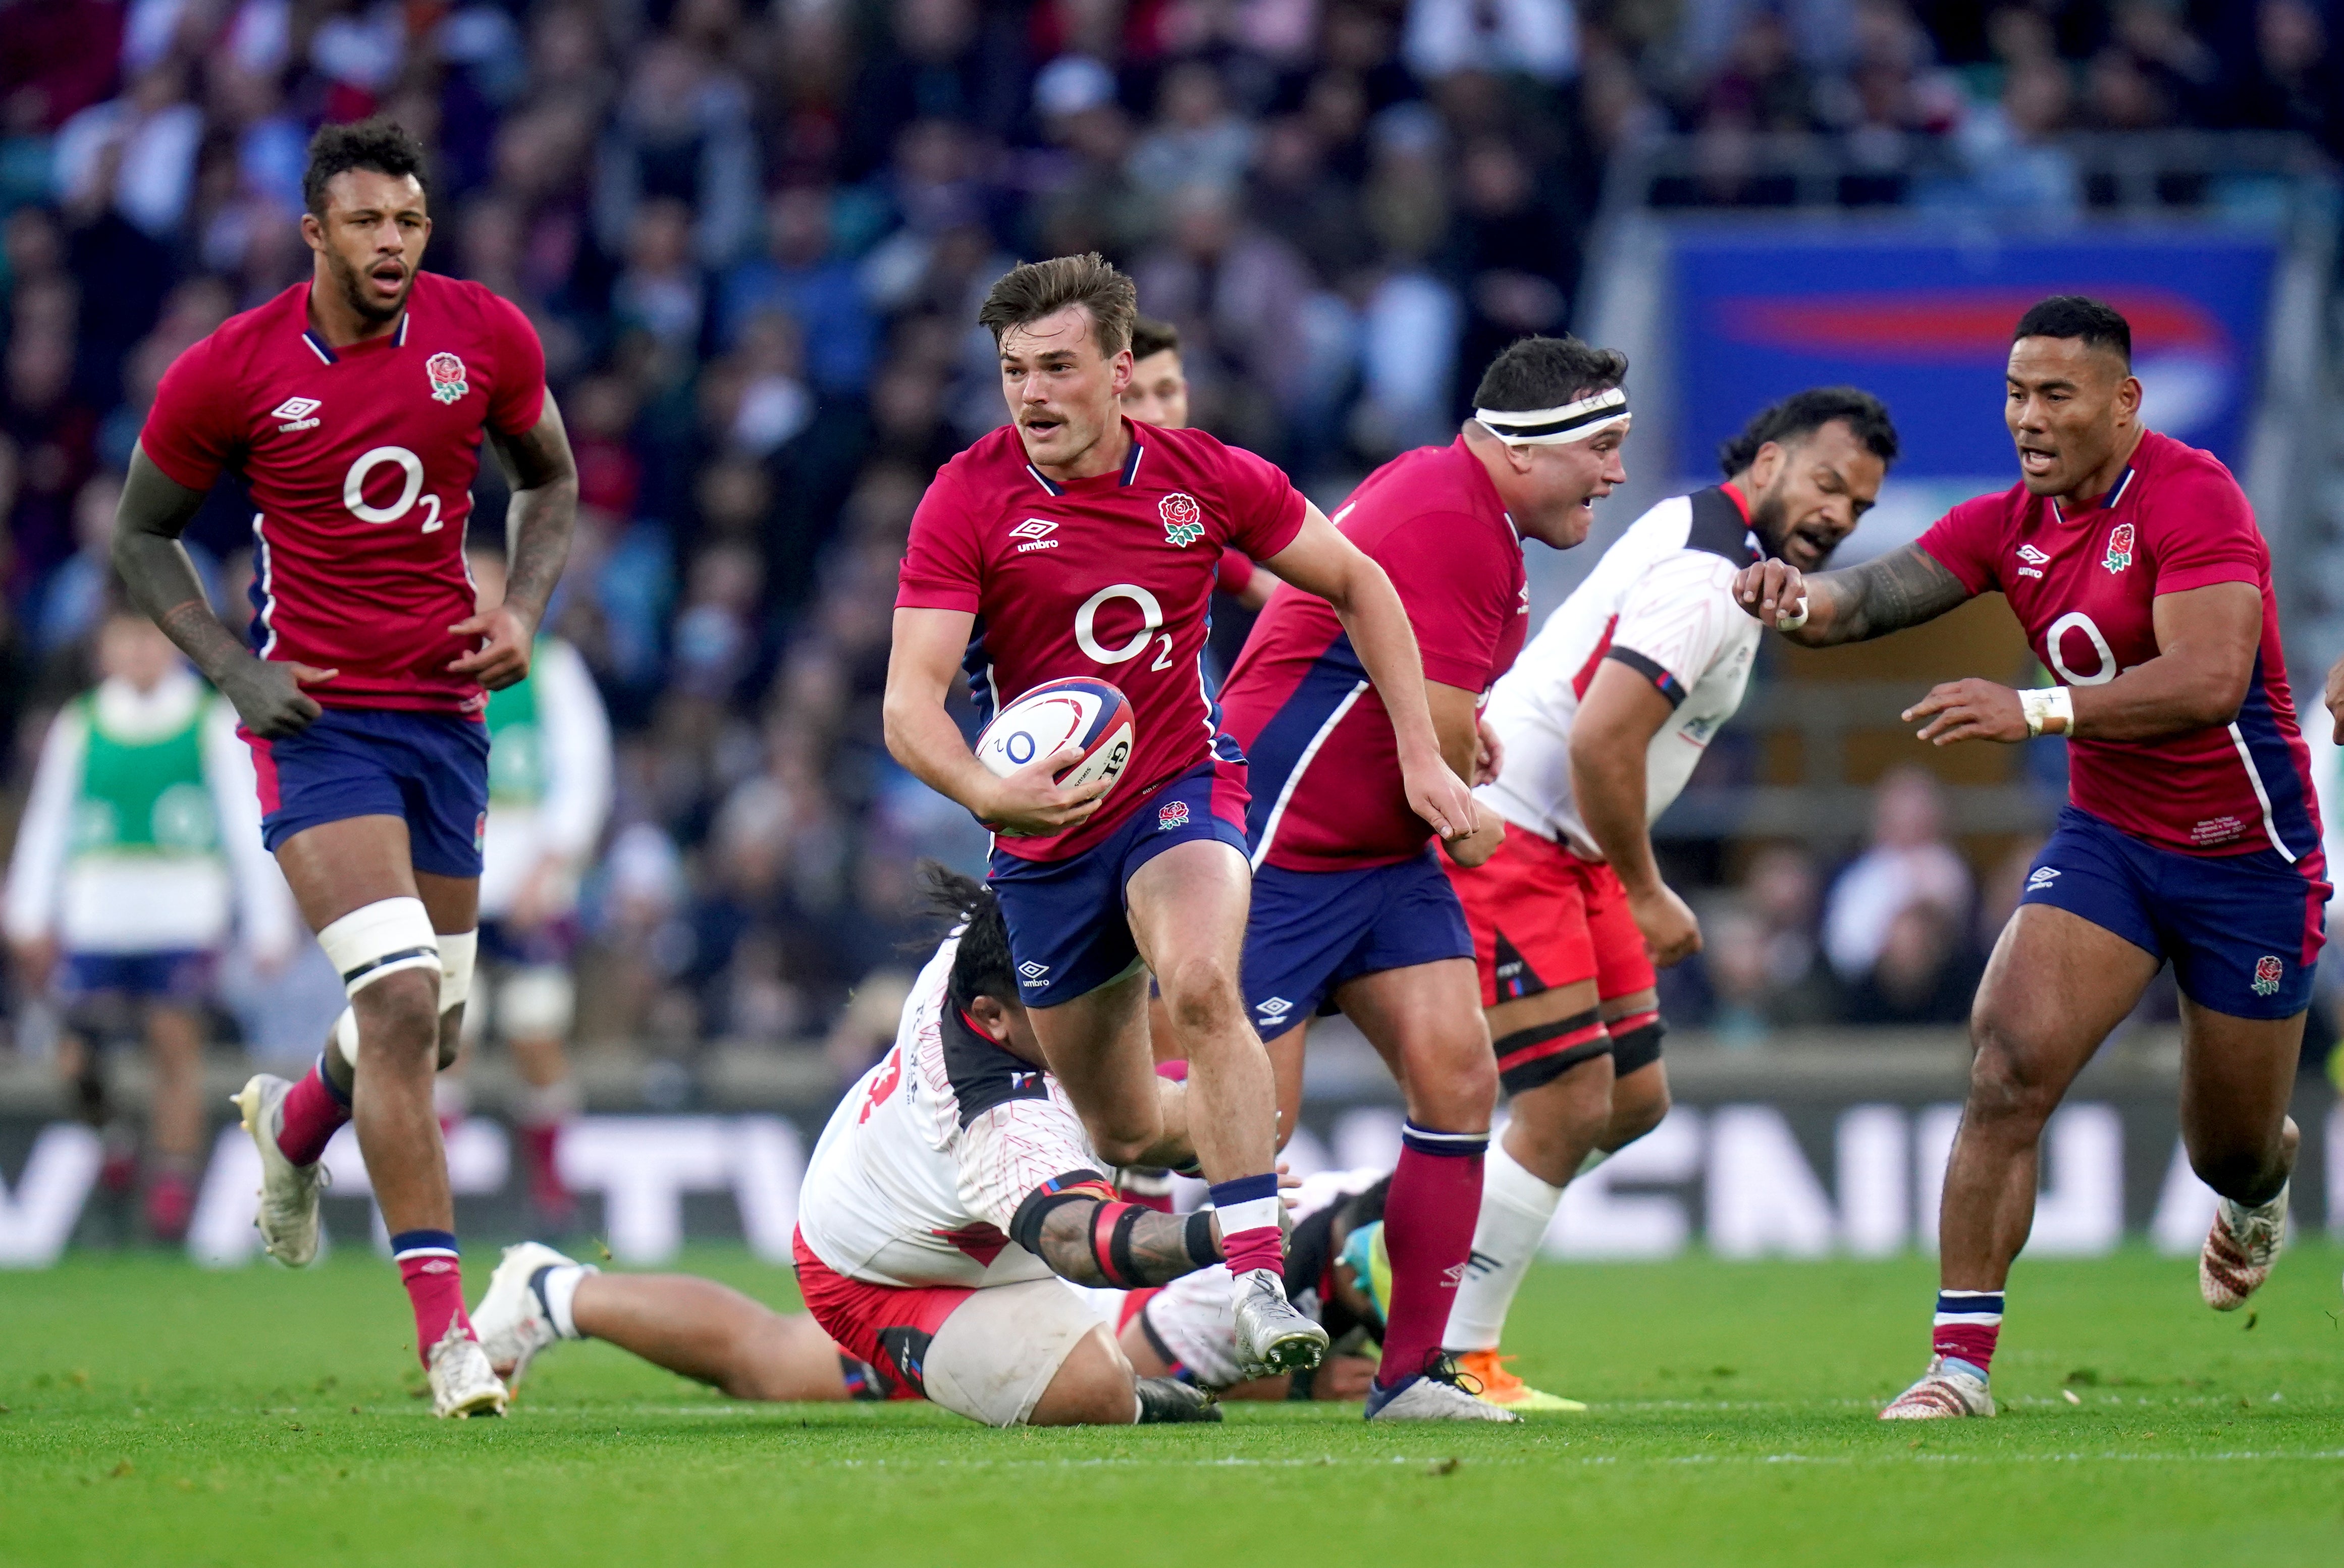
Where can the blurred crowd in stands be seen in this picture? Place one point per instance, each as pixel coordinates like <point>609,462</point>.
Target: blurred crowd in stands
<point>752,234</point>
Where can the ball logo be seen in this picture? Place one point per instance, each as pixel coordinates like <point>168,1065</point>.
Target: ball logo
<point>2119,555</point>
<point>1184,520</point>
<point>2267,970</point>
<point>447,373</point>
<point>1019,748</point>
<point>1171,814</point>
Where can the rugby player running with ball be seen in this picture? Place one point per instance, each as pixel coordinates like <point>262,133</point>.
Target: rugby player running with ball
<point>1075,543</point>
<point>354,405</point>
<point>2190,836</point>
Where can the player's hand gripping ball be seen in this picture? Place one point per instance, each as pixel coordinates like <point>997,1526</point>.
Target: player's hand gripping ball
<point>1091,717</point>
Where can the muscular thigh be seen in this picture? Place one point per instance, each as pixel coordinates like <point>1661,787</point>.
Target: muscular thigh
<point>338,866</point>
<point>2055,987</point>
<point>1097,1045</point>
<point>1188,904</point>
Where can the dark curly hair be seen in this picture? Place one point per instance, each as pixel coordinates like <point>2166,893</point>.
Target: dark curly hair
<point>379,146</point>
<point>982,967</point>
<point>1802,414</point>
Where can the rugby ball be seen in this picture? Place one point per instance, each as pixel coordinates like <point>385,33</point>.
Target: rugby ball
<point>1094,716</point>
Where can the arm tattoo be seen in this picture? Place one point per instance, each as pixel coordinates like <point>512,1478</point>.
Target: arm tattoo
<point>543,512</point>
<point>1901,588</point>
<point>154,564</point>
<point>1157,1249</point>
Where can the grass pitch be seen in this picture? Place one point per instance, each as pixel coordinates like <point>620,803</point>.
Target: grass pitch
<point>153,1413</point>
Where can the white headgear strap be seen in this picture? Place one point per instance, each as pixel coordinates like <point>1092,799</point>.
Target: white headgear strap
<point>1577,421</point>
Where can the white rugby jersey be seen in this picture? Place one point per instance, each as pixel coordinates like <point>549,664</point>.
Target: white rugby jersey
<point>1661,602</point>
<point>919,1175</point>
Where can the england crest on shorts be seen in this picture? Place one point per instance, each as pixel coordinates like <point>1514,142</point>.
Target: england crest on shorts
<point>2267,970</point>
<point>1171,814</point>
<point>447,373</point>
<point>1184,520</point>
<point>2120,555</point>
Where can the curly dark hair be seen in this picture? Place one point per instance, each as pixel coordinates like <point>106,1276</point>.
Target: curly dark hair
<point>379,146</point>
<point>1802,414</point>
<point>982,967</point>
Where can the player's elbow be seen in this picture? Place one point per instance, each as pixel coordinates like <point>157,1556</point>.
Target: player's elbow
<point>2217,695</point>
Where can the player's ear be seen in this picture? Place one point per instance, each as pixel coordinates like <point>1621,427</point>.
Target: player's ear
<point>2128,395</point>
<point>313,231</point>
<point>988,1014</point>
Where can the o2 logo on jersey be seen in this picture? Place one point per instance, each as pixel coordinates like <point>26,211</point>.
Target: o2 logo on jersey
<point>1184,520</point>
<point>2267,970</point>
<point>2120,555</point>
<point>447,373</point>
<point>2054,645</point>
<point>1172,813</point>
<point>411,490</point>
<point>1151,626</point>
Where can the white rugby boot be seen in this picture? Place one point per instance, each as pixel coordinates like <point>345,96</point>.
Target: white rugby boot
<point>2239,1251</point>
<point>1272,1336</point>
<point>511,1319</point>
<point>1943,1392</point>
<point>1440,1393</point>
<point>288,1219</point>
<point>462,1382</point>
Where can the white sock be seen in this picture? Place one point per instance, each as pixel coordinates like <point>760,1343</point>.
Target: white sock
<point>1516,1210</point>
<point>560,1292</point>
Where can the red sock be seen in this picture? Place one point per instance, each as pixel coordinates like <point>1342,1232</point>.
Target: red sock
<point>434,1277</point>
<point>314,1111</point>
<point>541,1145</point>
<point>1429,1219</point>
<point>1149,1189</point>
<point>1251,1236</point>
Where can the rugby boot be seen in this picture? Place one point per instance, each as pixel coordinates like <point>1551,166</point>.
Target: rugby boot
<point>287,1218</point>
<point>1440,1392</point>
<point>2239,1251</point>
<point>1170,1399</point>
<point>463,1384</point>
<point>1272,1337</point>
<point>1946,1391</point>
<point>1500,1386</point>
<point>511,1319</point>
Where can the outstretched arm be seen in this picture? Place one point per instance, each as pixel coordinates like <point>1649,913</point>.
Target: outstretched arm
<point>1118,1246</point>
<point>153,513</point>
<point>542,515</point>
<point>1321,561</point>
<point>1903,588</point>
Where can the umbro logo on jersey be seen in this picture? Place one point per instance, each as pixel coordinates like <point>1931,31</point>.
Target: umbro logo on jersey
<point>1033,972</point>
<point>1035,532</point>
<point>2032,556</point>
<point>1275,1008</point>
<point>297,412</point>
<point>2042,877</point>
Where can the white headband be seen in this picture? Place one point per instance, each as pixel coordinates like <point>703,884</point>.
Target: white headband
<point>1555,427</point>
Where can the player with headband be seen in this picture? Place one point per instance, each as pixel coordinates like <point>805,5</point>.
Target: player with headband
<point>1602,721</point>
<point>1351,910</point>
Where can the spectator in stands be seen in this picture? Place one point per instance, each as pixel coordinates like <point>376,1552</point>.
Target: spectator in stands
<point>1909,862</point>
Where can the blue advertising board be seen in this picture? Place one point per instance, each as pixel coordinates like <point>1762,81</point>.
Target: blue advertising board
<point>1923,320</point>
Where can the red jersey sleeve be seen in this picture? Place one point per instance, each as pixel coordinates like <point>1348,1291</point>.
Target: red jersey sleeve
<point>1967,540</point>
<point>1459,593</point>
<point>191,432</point>
<point>1236,571</point>
<point>1265,510</point>
<point>942,567</point>
<point>2201,530</point>
<point>518,399</point>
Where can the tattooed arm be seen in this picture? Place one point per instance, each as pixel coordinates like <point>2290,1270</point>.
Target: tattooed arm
<point>153,513</point>
<point>1901,588</point>
<point>542,516</point>
<point>1093,1241</point>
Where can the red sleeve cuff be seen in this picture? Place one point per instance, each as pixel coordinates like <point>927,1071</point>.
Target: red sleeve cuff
<point>536,412</point>
<point>179,472</point>
<point>1281,533</point>
<point>1975,584</point>
<point>2182,579</point>
<point>935,596</point>
<point>1235,571</point>
<point>1465,675</point>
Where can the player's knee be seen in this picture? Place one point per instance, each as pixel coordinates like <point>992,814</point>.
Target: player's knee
<point>2245,1172</point>
<point>2004,1087</point>
<point>1461,1095</point>
<point>399,1016</point>
<point>1091,1387</point>
<point>1201,995</point>
<point>1124,1142</point>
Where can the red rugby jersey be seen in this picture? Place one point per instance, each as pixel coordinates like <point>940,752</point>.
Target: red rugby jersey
<point>1109,577</point>
<point>360,462</point>
<point>1324,767</point>
<point>2083,583</point>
